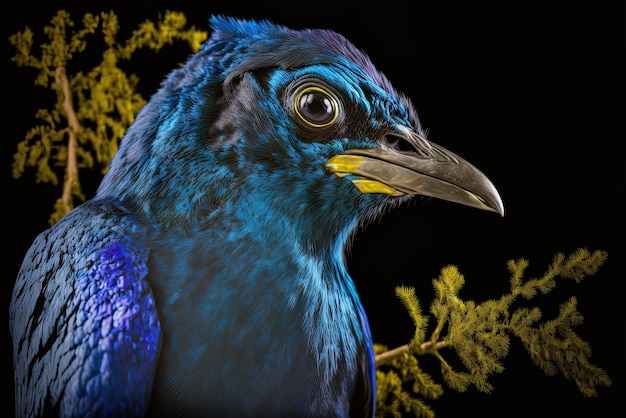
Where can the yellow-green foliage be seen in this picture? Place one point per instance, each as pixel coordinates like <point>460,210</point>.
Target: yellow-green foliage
<point>93,108</point>
<point>479,334</point>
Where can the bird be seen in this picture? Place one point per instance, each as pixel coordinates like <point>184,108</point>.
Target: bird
<point>207,276</point>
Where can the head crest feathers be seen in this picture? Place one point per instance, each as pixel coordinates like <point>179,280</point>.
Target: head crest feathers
<point>261,43</point>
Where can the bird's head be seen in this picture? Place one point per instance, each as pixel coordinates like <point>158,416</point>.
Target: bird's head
<point>299,123</point>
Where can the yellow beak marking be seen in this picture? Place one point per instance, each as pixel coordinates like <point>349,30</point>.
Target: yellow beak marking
<point>373,186</point>
<point>343,164</point>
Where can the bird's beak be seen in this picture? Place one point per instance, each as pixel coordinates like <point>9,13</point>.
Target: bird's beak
<point>426,169</point>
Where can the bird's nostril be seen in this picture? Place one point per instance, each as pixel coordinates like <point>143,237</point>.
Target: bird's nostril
<point>398,143</point>
<point>404,145</point>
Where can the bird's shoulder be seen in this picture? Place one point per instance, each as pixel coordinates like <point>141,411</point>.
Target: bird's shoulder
<point>72,246</point>
<point>80,307</point>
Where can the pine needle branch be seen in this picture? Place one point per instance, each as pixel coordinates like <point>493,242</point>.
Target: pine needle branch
<point>479,335</point>
<point>93,107</point>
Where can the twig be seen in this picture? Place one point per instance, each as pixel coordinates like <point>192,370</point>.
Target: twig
<point>62,86</point>
<point>428,347</point>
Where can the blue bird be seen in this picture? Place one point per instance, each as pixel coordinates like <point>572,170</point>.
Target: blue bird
<point>207,277</point>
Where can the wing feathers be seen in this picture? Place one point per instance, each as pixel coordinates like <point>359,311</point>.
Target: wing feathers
<point>83,318</point>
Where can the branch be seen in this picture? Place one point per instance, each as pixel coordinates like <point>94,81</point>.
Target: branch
<point>390,355</point>
<point>62,86</point>
<point>428,347</point>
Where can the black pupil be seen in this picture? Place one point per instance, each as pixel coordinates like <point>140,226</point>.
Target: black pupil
<point>316,107</point>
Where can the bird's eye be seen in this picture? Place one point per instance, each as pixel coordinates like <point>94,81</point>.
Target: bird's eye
<point>316,107</point>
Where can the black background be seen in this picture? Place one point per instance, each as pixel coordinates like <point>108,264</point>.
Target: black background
<point>530,94</point>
